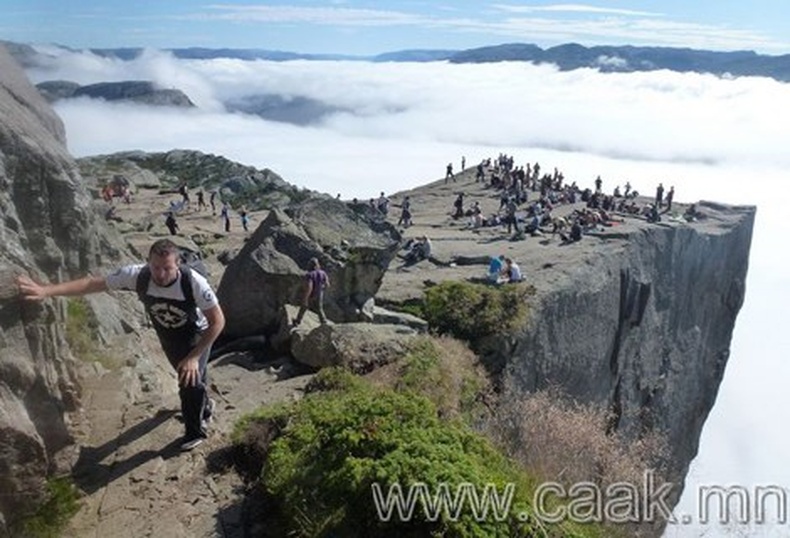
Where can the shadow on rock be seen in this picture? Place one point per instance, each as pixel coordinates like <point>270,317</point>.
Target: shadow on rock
<point>91,473</point>
<point>256,514</point>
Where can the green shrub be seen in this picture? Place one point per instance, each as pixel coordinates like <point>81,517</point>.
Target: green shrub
<point>336,378</point>
<point>415,308</point>
<point>443,370</point>
<point>333,447</point>
<point>472,311</point>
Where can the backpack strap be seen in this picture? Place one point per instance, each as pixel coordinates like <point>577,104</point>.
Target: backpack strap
<point>144,278</point>
<point>186,283</point>
<point>141,286</point>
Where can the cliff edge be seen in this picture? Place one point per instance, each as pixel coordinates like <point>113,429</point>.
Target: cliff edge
<point>636,317</point>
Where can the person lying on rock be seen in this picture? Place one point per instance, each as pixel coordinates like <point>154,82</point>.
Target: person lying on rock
<point>184,311</point>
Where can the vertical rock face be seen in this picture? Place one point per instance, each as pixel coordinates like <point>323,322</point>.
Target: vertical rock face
<point>644,328</point>
<point>46,230</point>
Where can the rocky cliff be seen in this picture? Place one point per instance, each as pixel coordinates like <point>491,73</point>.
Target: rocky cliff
<point>48,230</point>
<point>644,327</point>
<point>637,318</point>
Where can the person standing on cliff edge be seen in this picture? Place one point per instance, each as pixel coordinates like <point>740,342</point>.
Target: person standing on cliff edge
<point>184,311</point>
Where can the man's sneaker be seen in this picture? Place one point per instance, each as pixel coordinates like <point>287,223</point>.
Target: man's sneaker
<point>208,411</point>
<point>189,444</point>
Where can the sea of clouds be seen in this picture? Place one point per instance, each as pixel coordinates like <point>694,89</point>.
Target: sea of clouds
<point>397,125</point>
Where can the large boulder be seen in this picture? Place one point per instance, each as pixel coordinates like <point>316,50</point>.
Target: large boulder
<point>269,271</point>
<point>361,347</point>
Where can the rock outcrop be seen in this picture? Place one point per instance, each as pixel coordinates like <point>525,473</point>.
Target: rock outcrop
<point>360,347</point>
<point>136,91</point>
<point>235,183</point>
<point>54,90</point>
<point>269,271</point>
<point>48,230</point>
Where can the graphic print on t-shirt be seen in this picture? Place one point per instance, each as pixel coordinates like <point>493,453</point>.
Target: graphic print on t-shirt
<point>168,315</point>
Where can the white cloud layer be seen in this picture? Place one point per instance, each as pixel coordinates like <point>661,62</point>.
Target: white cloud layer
<point>712,138</point>
<point>574,8</point>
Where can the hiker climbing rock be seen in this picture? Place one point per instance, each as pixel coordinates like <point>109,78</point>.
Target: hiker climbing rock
<point>184,311</point>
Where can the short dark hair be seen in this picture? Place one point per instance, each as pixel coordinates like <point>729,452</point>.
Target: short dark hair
<point>313,264</point>
<point>162,248</point>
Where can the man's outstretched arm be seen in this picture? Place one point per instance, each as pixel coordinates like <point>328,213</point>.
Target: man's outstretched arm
<point>34,291</point>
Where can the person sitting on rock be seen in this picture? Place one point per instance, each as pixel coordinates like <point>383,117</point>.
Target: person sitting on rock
<point>495,267</point>
<point>111,214</point>
<point>420,250</point>
<point>654,215</point>
<point>533,226</point>
<point>575,234</point>
<point>512,272</point>
<point>558,224</point>
<point>691,214</point>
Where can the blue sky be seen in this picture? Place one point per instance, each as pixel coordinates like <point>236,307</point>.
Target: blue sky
<point>371,27</point>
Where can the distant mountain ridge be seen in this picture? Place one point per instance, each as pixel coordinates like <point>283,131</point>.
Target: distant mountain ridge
<point>629,58</point>
<point>569,56</point>
<point>623,59</point>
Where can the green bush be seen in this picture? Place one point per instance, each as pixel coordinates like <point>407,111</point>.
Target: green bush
<point>443,370</point>
<point>333,447</point>
<point>415,308</point>
<point>470,311</point>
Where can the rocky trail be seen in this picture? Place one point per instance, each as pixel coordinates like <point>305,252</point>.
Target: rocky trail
<point>135,480</point>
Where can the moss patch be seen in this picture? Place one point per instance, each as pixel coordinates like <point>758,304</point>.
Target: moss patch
<point>82,333</point>
<point>51,517</point>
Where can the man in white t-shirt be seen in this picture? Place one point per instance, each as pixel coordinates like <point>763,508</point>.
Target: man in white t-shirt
<point>184,311</point>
